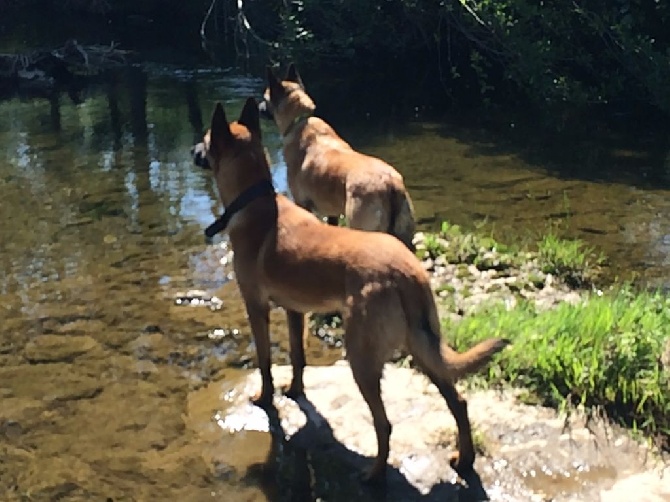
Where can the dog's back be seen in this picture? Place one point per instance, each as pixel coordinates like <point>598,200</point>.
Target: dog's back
<point>327,175</point>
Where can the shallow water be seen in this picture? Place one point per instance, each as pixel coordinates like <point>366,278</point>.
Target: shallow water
<point>101,221</point>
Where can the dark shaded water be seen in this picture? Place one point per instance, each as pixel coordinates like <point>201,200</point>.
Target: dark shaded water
<point>101,220</point>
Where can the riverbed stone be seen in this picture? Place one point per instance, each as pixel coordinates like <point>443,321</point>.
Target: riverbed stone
<point>58,348</point>
<point>151,345</point>
<point>49,382</point>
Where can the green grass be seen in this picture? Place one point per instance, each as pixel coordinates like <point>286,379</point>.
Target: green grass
<point>602,353</point>
<point>572,260</point>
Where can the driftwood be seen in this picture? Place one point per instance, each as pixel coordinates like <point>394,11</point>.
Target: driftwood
<point>50,68</point>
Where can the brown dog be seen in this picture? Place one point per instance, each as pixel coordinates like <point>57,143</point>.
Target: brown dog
<point>326,175</point>
<point>286,255</point>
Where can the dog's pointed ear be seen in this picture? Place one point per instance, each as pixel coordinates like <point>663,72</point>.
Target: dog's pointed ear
<point>273,82</point>
<point>249,117</point>
<point>292,75</point>
<point>220,134</point>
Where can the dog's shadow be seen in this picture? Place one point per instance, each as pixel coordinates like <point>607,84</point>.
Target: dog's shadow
<point>313,465</point>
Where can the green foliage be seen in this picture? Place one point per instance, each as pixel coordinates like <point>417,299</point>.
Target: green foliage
<point>605,352</point>
<point>551,52</point>
<point>320,30</point>
<point>591,52</point>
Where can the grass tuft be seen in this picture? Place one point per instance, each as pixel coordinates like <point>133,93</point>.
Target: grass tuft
<point>571,260</point>
<point>605,352</point>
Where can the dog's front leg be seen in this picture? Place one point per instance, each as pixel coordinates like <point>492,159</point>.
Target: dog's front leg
<point>259,320</point>
<point>297,336</point>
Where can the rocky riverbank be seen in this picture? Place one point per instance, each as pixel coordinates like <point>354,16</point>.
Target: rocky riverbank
<point>315,447</point>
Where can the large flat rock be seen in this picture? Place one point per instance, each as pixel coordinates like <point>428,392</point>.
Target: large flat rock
<point>320,443</point>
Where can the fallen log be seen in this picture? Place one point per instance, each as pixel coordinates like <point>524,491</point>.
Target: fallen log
<point>48,68</point>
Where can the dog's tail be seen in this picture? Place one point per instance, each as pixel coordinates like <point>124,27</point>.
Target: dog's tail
<point>401,218</point>
<point>435,356</point>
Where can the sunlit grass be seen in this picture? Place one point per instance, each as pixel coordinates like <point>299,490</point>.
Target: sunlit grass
<point>605,352</point>
<point>570,259</point>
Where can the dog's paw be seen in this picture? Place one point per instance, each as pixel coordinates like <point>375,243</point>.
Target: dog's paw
<point>262,399</point>
<point>462,467</point>
<point>294,391</point>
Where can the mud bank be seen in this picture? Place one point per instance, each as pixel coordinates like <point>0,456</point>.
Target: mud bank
<point>319,444</point>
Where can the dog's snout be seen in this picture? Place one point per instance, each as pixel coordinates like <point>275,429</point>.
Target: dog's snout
<point>264,110</point>
<point>199,155</point>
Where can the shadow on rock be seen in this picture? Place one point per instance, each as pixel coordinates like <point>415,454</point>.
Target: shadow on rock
<point>313,465</point>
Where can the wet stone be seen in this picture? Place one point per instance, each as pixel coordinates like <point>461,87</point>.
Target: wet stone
<point>11,429</point>
<point>197,298</point>
<point>58,348</point>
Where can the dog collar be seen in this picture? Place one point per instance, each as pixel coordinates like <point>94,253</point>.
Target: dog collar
<point>295,122</point>
<point>255,191</point>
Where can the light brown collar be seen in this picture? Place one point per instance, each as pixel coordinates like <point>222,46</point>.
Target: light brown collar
<point>296,121</point>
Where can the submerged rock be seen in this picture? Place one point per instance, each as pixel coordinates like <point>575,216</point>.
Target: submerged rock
<point>322,442</point>
<point>48,382</point>
<point>58,348</point>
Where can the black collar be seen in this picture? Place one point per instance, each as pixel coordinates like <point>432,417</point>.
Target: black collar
<point>249,195</point>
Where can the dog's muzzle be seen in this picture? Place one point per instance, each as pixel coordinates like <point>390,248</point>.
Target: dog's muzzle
<point>199,155</point>
<point>264,110</point>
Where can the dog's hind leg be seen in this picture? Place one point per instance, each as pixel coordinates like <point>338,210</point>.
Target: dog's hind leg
<point>426,348</point>
<point>462,461</point>
<point>297,335</point>
<point>373,330</point>
<point>368,378</point>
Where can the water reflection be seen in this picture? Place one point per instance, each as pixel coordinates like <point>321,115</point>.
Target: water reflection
<point>120,159</point>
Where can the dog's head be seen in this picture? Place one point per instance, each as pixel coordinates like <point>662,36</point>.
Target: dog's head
<point>199,152</point>
<point>285,100</point>
<point>234,151</point>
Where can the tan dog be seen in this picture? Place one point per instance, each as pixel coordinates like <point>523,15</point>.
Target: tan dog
<point>326,175</point>
<point>286,255</point>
